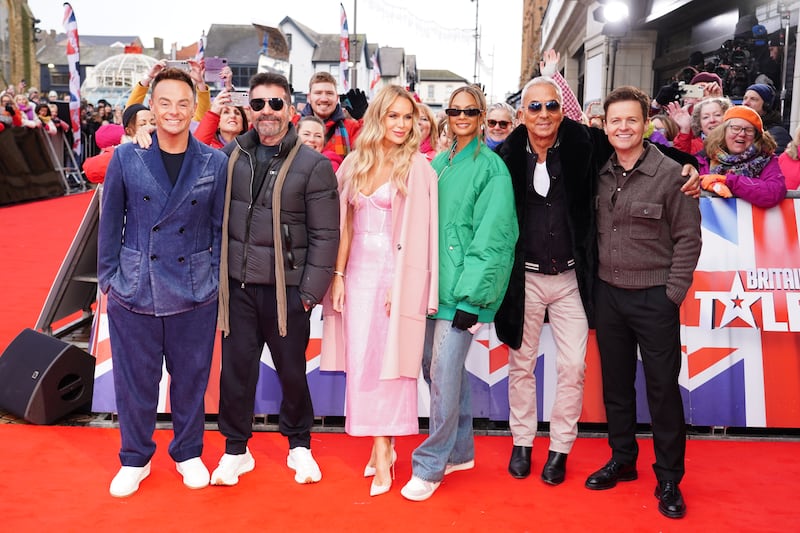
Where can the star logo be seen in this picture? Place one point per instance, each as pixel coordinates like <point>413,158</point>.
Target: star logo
<point>737,304</point>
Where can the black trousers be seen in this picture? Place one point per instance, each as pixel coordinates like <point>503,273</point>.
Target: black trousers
<point>647,318</point>
<point>254,322</point>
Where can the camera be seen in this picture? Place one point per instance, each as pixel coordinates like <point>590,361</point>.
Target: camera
<point>240,98</point>
<point>214,66</point>
<point>739,60</point>
<point>688,90</point>
<point>181,65</point>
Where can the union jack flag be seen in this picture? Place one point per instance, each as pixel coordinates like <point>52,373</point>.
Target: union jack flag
<point>344,52</point>
<point>73,60</point>
<point>741,354</point>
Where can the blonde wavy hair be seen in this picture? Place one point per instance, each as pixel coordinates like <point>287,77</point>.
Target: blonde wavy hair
<point>480,100</point>
<point>715,142</point>
<point>370,153</point>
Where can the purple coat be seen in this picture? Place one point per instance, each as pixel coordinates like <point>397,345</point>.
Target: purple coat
<point>767,190</point>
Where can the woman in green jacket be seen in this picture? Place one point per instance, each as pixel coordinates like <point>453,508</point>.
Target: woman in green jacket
<point>477,234</point>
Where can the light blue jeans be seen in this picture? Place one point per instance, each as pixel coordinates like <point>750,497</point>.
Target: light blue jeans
<point>450,438</point>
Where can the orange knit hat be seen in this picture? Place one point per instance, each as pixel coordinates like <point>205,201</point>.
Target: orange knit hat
<point>744,113</point>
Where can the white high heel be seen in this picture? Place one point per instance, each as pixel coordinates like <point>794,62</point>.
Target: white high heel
<point>377,490</point>
<point>369,470</point>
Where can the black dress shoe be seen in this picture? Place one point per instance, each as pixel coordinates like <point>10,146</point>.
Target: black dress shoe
<point>520,464</point>
<point>670,500</point>
<point>607,477</point>
<point>555,468</point>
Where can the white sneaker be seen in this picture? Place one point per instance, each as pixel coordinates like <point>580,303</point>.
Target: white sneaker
<point>127,480</point>
<point>194,472</point>
<point>305,467</point>
<point>418,490</point>
<point>231,467</point>
<point>450,468</point>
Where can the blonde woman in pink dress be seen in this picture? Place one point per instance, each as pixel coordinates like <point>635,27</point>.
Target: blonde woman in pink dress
<point>386,278</point>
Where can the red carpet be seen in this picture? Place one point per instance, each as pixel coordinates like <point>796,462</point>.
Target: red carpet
<point>56,478</point>
<point>34,237</point>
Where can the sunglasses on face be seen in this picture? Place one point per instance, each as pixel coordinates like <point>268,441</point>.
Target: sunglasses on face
<point>257,104</point>
<point>470,112</point>
<point>550,105</point>
<point>501,123</point>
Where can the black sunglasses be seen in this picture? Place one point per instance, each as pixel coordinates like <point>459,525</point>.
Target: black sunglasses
<point>470,112</point>
<point>502,123</point>
<point>550,105</point>
<point>257,104</point>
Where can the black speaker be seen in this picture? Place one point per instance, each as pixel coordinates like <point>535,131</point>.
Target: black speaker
<point>43,378</point>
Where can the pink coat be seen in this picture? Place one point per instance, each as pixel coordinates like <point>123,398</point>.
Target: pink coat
<point>415,288</point>
<point>791,170</point>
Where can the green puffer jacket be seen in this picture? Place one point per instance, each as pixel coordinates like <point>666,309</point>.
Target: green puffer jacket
<point>477,231</point>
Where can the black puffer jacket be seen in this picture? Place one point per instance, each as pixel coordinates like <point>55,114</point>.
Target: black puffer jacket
<point>309,218</point>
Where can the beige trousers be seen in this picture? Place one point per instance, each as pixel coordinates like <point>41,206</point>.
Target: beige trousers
<point>558,295</point>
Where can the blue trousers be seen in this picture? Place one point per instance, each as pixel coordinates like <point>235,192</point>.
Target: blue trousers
<point>139,344</point>
<point>450,438</point>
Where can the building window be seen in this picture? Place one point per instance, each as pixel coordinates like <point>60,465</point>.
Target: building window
<point>431,90</point>
<point>242,75</point>
<point>59,78</point>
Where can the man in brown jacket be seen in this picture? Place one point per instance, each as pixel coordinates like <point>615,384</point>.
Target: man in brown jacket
<point>648,236</point>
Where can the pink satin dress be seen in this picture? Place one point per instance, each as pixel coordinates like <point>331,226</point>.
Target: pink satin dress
<point>373,407</point>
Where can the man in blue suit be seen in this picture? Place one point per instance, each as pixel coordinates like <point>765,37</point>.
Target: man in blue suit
<point>158,261</point>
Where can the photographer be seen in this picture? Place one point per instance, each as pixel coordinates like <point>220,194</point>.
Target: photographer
<point>703,85</point>
<point>711,84</point>
<point>9,114</point>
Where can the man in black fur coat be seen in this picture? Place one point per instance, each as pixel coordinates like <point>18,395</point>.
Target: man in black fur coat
<point>553,162</point>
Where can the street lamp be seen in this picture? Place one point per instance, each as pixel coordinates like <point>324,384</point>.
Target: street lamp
<point>614,15</point>
<point>475,67</point>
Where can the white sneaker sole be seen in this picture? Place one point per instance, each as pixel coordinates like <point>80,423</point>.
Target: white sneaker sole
<point>131,490</point>
<point>418,496</point>
<point>300,478</point>
<point>219,480</point>
<point>450,468</point>
<point>192,484</point>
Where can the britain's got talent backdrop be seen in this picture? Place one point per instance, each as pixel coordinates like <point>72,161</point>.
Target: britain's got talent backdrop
<point>741,351</point>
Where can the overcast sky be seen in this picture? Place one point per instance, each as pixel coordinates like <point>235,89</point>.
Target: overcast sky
<point>438,32</point>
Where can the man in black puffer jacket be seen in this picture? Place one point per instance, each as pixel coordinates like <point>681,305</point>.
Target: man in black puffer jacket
<point>282,228</point>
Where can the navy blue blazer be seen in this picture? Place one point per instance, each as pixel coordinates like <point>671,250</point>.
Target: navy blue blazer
<point>159,245</point>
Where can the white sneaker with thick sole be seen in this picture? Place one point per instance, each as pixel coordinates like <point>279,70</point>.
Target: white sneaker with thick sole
<point>194,472</point>
<point>127,480</point>
<point>418,489</point>
<point>306,469</point>
<point>450,468</point>
<point>231,467</point>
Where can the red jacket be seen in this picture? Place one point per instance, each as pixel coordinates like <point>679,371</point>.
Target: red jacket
<point>687,142</point>
<point>206,131</point>
<point>95,167</point>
